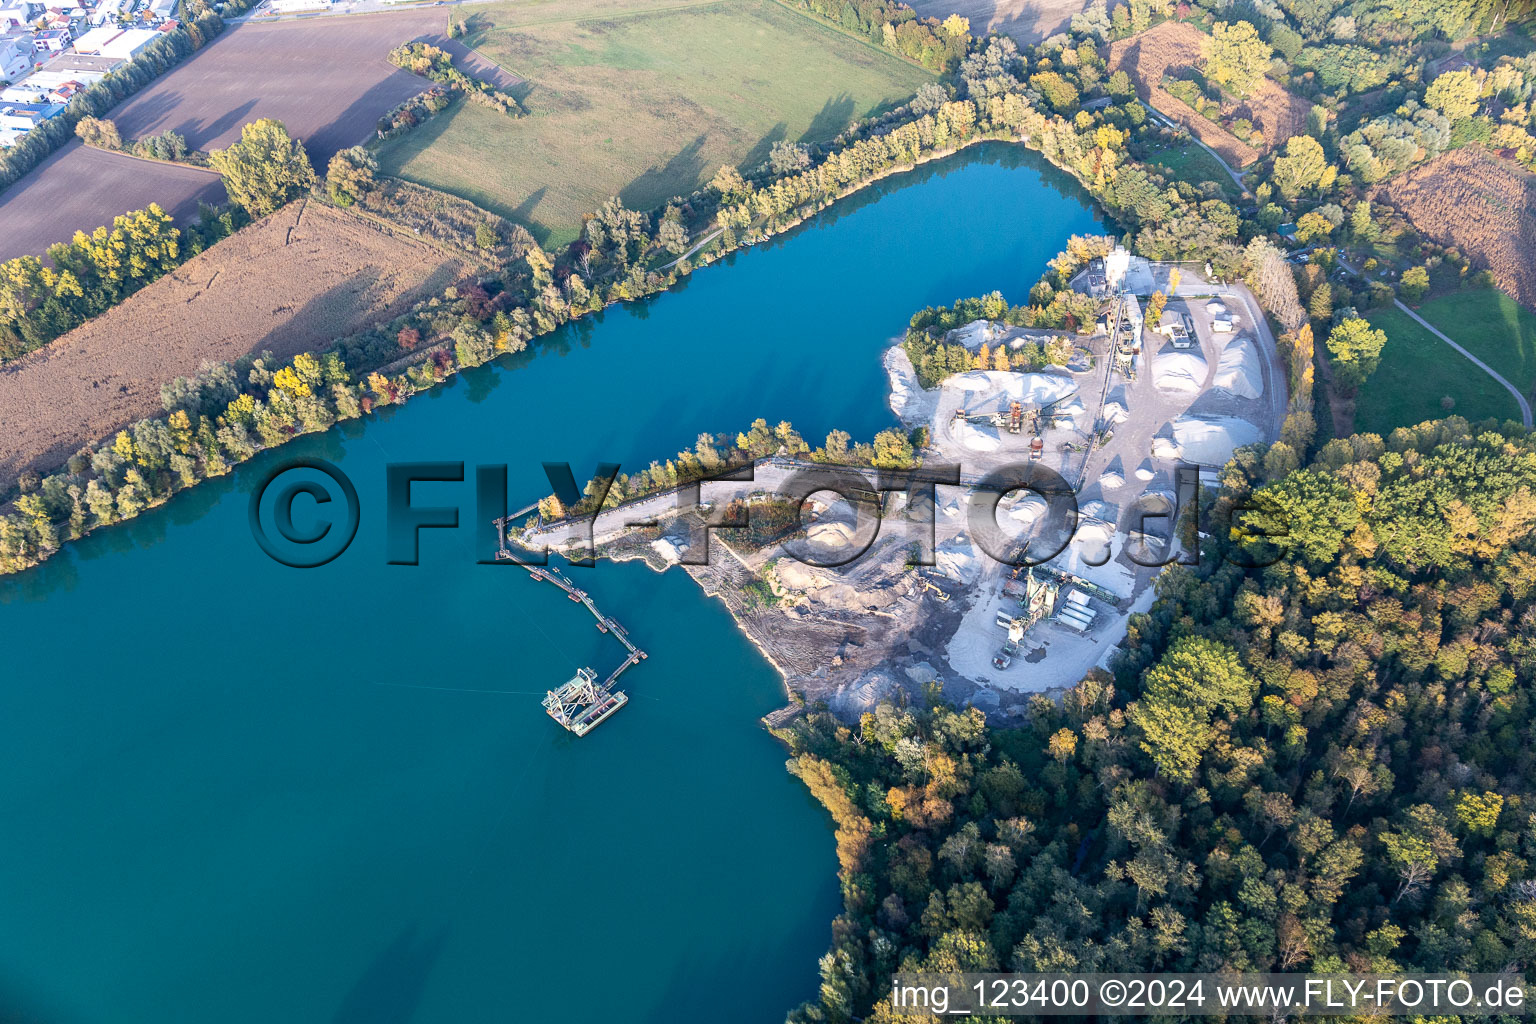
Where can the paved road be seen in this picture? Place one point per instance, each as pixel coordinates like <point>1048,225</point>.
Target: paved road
<point>264,13</point>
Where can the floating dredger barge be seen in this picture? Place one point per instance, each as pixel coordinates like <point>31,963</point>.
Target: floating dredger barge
<point>581,703</point>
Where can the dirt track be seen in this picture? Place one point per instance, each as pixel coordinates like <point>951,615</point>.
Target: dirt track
<point>261,289</point>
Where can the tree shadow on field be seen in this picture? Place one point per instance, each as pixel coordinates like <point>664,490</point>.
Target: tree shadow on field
<point>359,121</point>
<point>758,154</point>
<point>314,323</point>
<point>832,119</point>
<point>200,134</point>
<point>676,176</point>
<point>390,990</point>
<point>523,214</point>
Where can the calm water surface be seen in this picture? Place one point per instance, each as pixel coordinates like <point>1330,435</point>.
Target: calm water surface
<point>234,792</point>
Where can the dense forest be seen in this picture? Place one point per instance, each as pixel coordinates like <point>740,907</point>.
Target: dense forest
<point>1327,764</point>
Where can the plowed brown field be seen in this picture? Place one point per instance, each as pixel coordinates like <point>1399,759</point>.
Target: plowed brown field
<point>81,189</point>
<point>293,282</point>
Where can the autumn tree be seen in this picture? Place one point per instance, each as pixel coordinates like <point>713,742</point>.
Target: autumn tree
<point>1234,56</point>
<point>1455,94</point>
<point>1415,284</point>
<point>99,132</point>
<point>350,175</point>
<point>265,169</point>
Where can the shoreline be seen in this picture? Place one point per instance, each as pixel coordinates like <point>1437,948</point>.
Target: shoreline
<point>676,275</point>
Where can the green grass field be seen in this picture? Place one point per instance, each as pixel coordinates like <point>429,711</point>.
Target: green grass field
<point>1417,370</point>
<point>1493,327</point>
<point>1192,164</point>
<point>645,104</point>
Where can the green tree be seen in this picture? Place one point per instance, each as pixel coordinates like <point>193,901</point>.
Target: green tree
<point>1354,348</point>
<point>1304,166</point>
<point>1361,226</point>
<point>1320,305</point>
<point>1234,55</point>
<point>1195,679</point>
<point>1454,94</point>
<point>1415,283</point>
<point>265,169</point>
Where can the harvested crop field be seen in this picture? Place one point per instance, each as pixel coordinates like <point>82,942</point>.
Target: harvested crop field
<point>293,282</point>
<point>1484,206</point>
<point>81,189</point>
<point>1174,46</point>
<point>328,79</point>
<point>1028,21</point>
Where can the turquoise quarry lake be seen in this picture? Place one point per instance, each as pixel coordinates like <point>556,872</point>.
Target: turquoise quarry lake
<point>238,792</point>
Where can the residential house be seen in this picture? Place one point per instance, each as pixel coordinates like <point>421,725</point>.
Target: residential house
<point>54,40</point>
<point>17,56</point>
<point>19,13</point>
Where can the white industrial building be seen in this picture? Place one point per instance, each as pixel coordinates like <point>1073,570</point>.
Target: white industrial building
<point>111,41</point>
